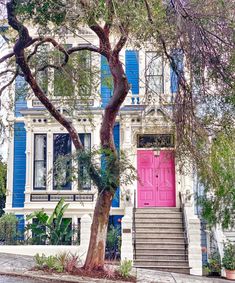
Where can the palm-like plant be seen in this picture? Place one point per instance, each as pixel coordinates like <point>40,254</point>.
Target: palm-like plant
<point>54,229</point>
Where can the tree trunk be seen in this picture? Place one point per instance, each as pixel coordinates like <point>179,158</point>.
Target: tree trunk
<point>96,251</point>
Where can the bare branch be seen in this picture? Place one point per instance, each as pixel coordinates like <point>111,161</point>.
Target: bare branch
<point>7,56</point>
<point>122,41</point>
<point>8,84</point>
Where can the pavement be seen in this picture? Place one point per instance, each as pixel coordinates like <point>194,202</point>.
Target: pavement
<point>12,266</point>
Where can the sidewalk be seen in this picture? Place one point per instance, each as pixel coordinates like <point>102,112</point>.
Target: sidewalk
<point>19,265</point>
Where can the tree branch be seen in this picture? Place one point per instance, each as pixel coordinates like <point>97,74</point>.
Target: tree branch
<point>122,41</point>
<point>22,42</point>
<point>7,56</point>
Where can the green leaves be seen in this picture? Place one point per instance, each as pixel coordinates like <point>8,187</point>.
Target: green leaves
<point>216,173</point>
<point>229,256</point>
<point>42,12</point>
<point>53,230</point>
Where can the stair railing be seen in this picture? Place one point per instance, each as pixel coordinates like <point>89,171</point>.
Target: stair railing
<point>134,226</point>
<point>184,225</point>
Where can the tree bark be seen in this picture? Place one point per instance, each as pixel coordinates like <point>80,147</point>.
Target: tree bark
<point>96,251</point>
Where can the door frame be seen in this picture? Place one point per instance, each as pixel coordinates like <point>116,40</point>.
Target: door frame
<point>175,177</point>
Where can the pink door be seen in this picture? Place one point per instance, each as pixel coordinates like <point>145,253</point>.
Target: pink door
<point>156,185</point>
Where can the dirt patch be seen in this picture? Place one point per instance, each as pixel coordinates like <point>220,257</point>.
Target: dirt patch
<point>102,274</point>
<point>108,274</point>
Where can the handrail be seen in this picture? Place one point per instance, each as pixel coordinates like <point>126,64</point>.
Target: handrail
<point>134,227</point>
<point>184,225</point>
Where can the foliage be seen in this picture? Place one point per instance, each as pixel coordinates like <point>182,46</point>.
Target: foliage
<point>214,264</point>
<point>3,181</point>
<point>216,173</point>
<point>125,268</point>
<point>59,263</point>
<point>229,256</point>
<point>54,229</point>
<point>203,31</point>
<point>91,158</point>
<point>71,263</point>
<point>8,228</point>
<point>113,241</point>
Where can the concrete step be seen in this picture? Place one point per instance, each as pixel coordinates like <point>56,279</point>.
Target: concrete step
<point>164,236</point>
<point>172,215</point>
<point>148,240</point>
<point>157,209</point>
<point>161,250</point>
<point>144,224</point>
<point>145,255</point>
<point>159,230</point>
<point>174,269</point>
<point>157,245</point>
<point>158,220</point>
<point>151,262</point>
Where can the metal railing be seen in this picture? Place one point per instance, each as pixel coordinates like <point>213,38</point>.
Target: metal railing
<point>16,236</point>
<point>184,225</point>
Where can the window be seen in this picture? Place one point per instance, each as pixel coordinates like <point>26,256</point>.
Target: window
<point>155,140</point>
<point>154,73</point>
<point>41,60</point>
<point>84,176</point>
<point>75,75</point>
<point>40,160</point>
<point>62,161</point>
<point>63,164</point>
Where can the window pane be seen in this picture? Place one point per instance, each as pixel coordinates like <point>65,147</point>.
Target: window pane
<point>62,161</point>
<point>154,84</point>
<point>154,73</point>
<point>153,64</point>
<point>84,176</point>
<point>40,142</point>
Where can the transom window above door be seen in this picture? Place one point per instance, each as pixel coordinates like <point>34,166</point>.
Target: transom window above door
<point>155,141</point>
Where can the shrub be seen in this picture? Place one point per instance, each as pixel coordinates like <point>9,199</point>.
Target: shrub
<point>40,260</point>
<point>62,262</point>
<point>229,256</point>
<point>8,228</point>
<point>54,229</point>
<point>71,263</point>
<point>113,242</point>
<point>214,264</point>
<point>125,268</point>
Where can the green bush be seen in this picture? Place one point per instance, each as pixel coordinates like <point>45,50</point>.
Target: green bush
<point>59,263</point>
<point>125,268</point>
<point>51,230</point>
<point>229,256</point>
<point>8,228</point>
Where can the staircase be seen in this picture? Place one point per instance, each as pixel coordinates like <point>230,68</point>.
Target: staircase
<point>159,240</point>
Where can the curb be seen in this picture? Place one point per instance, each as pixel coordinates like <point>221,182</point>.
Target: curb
<point>59,278</point>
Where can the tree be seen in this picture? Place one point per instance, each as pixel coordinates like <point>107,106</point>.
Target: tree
<point>197,29</point>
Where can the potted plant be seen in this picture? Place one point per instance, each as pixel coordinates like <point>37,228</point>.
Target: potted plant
<point>229,260</point>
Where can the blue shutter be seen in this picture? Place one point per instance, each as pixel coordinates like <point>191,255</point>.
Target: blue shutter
<point>20,94</point>
<point>178,60</point>
<point>19,165</point>
<point>20,227</point>
<point>106,82</point>
<point>132,69</point>
<point>116,134</point>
